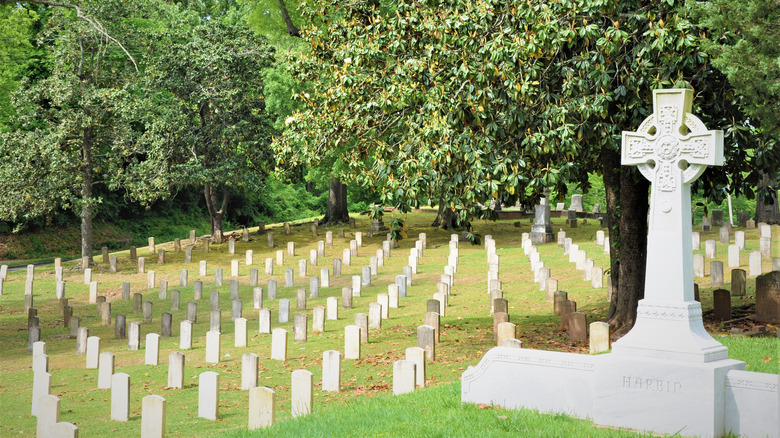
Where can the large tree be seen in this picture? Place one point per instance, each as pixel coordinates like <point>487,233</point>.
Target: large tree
<point>743,37</point>
<point>462,102</point>
<point>212,111</point>
<point>77,127</point>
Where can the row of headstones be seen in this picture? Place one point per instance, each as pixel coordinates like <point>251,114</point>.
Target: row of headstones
<point>574,322</point>
<point>591,272</point>
<point>153,340</point>
<point>755,257</point>
<point>261,399</point>
<point>314,254</point>
<point>716,220</point>
<point>409,374</point>
<point>104,308</point>
<point>767,296</point>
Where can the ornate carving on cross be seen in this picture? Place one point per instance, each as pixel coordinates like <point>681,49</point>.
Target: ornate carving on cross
<point>671,148</point>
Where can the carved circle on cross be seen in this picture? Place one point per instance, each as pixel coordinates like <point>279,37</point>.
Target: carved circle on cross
<point>667,148</point>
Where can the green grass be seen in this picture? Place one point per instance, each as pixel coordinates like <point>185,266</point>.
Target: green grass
<point>366,384</point>
<point>433,412</point>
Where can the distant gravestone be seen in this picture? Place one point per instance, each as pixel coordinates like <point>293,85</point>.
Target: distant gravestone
<point>576,203</point>
<point>249,369</point>
<point>721,304</point>
<point>768,297</point>
<point>352,337</point>
<point>717,218</point>
<point>599,337</point>
<point>279,344</point>
<point>120,397</point>
<point>212,346</point>
<point>541,231</point>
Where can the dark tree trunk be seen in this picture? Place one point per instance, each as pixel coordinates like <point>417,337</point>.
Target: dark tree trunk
<point>445,219</point>
<point>767,208</point>
<point>610,160</point>
<point>86,197</point>
<point>336,212</point>
<point>632,248</point>
<point>216,207</point>
<point>291,29</point>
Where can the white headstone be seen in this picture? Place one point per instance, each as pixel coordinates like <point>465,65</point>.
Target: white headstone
<point>416,355</point>
<point>120,397</point>
<point>279,344</point>
<point>93,351</point>
<point>352,342</point>
<point>152,354</point>
<point>176,369</point>
<point>213,346</point>
<point>208,395</point>
<point>404,376</point>
<point>153,417</point>
<point>261,407</point>
<point>301,393</point>
<point>331,371</point>
<point>105,370</point>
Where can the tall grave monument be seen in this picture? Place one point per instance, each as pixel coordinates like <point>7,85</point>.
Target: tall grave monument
<point>667,374</point>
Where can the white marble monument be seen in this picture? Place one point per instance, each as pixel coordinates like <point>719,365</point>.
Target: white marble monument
<point>667,374</point>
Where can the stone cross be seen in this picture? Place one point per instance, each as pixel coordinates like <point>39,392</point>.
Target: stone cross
<point>671,148</point>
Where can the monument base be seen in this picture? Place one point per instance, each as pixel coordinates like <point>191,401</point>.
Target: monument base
<point>670,330</point>
<point>541,238</point>
<point>652,394</point>
<point>667,396</point>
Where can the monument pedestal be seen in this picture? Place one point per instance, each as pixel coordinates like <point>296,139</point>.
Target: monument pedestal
<point>538,238</point>
<point>660,395</point>
<point>670,330</point>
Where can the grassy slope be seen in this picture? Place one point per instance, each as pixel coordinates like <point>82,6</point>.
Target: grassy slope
<point>466,335</point>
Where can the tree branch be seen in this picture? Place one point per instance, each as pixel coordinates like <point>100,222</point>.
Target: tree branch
<point>93,22</point>
<point>291,29</point>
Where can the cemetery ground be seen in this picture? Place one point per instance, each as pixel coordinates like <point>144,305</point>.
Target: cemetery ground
<point>365,404</point>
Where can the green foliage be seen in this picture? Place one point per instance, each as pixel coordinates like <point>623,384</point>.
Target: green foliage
<point>281,202</point>
<point>473,101</point>
<point>18,55</point>
<point>208,125</point>
<point>397,228</point>
<point>78,126</point>
<point>744,40</point>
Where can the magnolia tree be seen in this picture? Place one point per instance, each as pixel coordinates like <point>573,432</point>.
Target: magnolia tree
<point>460,103</point>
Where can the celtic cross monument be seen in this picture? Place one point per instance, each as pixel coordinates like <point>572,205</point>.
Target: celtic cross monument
<point>671,148</point>
<point>667,374</point>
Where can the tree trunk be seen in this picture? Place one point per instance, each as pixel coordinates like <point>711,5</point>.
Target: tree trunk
<point>336,212</point>
<point>610,160</point>
<point>86,196</point>
<point>216,207</point>
<point>445,219</point>
<point>767,208</point>
<point>291,29</point>
<point>632,248</point>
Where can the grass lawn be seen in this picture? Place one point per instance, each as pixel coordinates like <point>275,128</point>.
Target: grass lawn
<point>365,406</point>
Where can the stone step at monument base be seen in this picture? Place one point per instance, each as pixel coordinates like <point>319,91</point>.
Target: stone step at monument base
<point>659,395</point>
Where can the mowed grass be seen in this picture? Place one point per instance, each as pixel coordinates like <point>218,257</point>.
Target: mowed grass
<point>366,396</point>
